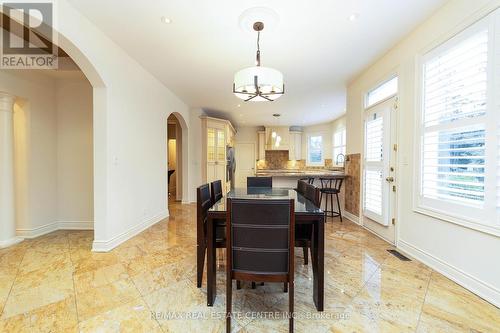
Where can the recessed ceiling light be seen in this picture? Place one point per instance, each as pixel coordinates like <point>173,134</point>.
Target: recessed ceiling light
<point>238,105</point>
<point>166,20</point>
<point>354,17</point>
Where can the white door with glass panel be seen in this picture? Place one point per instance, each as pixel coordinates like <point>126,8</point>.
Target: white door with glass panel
<point>379,170</point>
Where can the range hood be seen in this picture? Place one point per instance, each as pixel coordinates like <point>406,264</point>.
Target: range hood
<point>277,138</point>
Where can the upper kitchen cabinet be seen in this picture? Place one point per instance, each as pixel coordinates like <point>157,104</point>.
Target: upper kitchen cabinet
<point>295,151</point>
<point>277,138</point>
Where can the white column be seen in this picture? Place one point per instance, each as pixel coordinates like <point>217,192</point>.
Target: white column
<point>7,208</point>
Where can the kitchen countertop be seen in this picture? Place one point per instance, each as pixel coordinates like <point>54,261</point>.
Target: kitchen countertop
<point>299,173</point>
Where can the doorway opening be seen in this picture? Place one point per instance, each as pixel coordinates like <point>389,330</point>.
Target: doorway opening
<point>379,170</point>
<point>174,159</point>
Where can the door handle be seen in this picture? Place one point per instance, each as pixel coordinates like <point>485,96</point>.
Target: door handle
<point>389,179</point>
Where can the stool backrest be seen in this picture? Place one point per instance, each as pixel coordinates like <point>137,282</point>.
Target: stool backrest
<point>332,182</point>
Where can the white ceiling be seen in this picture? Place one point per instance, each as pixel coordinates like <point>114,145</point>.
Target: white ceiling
<point>315,46</point>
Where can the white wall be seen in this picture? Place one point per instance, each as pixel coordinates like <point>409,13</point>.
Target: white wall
<point>195,177</point>
<point>248,134</point>
<point>53,151</point>
<point>465,255</point>
<point>75,191</point>
<point>130,119</point>
<point>35,117</point>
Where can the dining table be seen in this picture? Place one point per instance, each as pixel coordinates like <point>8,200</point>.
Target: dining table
<point>306,213</point>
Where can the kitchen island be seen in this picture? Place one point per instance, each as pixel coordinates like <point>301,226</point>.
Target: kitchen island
<point>287,178</point>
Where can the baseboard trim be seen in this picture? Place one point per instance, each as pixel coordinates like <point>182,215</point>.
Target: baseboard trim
<point>10,242</point>
<point>38,231</point>
<point>51,227</point>
<point>108,245</point>
<point>76,225</point>
<point>476,286</point>
<point>351,217</point>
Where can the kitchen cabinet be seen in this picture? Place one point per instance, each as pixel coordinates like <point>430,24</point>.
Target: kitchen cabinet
<point>295,146</point>
<point>216,136</point>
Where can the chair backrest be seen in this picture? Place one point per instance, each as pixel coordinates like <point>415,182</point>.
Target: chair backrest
<point>259,181</point>
<point>332,182</point>
<point>203,204</point>
<point>312,193</point>
<point>260,236</point>
<point>309,180</point>
<point>216,191</point>
<point>301,186</point>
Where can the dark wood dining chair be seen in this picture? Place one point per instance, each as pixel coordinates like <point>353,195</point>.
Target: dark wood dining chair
<point>216,191</point>
<point>303,233</point>
<point>203,204</point>
<point>309,180</point>
<point>301,186</point>
<point>260,246</point>
<point>259,181</point>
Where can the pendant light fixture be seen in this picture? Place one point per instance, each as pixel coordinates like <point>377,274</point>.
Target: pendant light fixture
<point>257,83</point>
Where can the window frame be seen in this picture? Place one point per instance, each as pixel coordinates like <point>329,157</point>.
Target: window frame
<point>380,84</point>
<point>308,161</point>
<point>342,129</point>
<point>488,219</point>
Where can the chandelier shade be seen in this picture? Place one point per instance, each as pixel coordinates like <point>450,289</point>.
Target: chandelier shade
<point>258,84</point>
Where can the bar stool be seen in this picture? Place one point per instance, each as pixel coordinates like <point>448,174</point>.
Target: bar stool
<point>331,186</point>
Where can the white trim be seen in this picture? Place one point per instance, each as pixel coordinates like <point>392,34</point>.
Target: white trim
<point>456,219</point>
<point>478,287</point>
<point>389,242</point>
<point>10,242</point>
<point>108,245</point>
<point>54,226</point>
<point>38,231</point>
<point>75,225</point>
<point>351,217</point>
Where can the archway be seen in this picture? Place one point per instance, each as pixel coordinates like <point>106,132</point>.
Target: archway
<point>181,165</point>
<point>99,112</point>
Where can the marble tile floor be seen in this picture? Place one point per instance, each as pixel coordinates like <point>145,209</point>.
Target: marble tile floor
<point>54,283</point>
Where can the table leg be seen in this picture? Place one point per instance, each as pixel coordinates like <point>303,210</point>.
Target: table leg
<point>318,247</point>
<point>211,263</point>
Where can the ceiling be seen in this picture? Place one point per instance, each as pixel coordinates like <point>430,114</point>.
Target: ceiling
<point>315,45</point>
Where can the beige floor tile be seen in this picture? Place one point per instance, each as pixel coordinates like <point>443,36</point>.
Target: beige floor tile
<point>133,317</point>
<point>54,282</point>
<point>56,317</point>
<point>101,276</point>
<point>18,324</point>
<point>104,298</point>
<point>448,304</point>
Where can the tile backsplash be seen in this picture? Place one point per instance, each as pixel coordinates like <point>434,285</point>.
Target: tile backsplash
<point>278,160</point>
